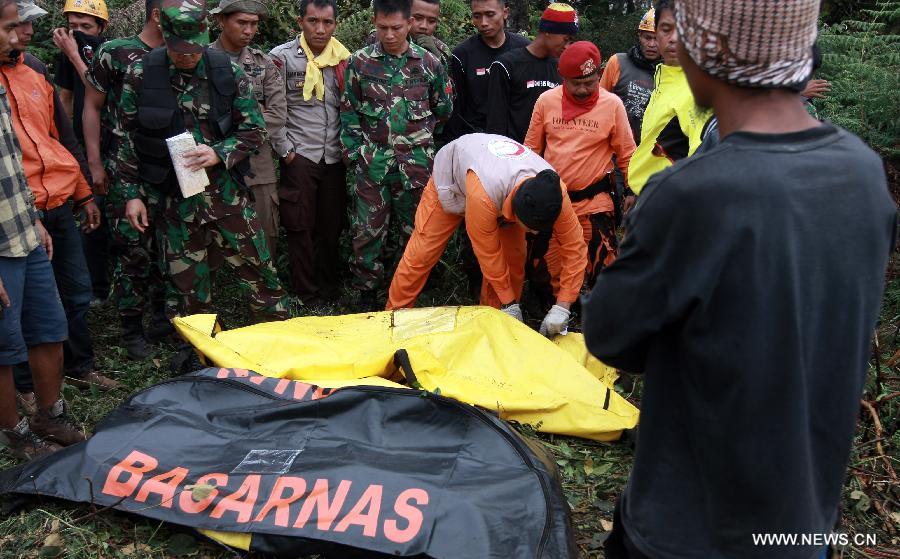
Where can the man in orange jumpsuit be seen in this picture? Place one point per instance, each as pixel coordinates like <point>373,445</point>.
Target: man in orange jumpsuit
<point>503,190</point>
<point>578,127</point>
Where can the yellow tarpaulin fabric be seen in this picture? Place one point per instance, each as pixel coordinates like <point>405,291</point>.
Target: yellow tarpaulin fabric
<point>477,355</point>
<point>573,344</point>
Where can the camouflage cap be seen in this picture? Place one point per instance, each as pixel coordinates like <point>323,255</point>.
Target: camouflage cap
<point>184,26</point>
<point>245,6</point>
<point>29,11</point>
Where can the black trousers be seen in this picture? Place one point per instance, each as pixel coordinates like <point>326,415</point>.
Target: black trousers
<point>313,211</point>
<point>618,545</point>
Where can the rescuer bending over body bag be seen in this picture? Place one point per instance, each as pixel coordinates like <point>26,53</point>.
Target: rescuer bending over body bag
<point>503,190</point>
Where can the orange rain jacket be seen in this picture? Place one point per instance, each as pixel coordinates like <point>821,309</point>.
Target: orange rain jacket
<point>51,170</point>
<point>498,239</point>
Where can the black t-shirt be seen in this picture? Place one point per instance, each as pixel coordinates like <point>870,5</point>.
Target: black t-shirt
<point>517,80</point>
<point>469,68</point>
<point>746,290</point>
<point>67,77</point>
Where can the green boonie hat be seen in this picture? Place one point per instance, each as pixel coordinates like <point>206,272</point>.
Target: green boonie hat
<point>184,26</point>
<point>245,6</point>
<point>29,11</point>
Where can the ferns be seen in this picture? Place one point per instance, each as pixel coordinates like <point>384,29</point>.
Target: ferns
<point>861,58</point>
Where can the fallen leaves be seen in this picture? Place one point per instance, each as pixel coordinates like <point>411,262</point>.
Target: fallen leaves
<point>200,491</point>
<point>53,545</point>
<point>137,549</point>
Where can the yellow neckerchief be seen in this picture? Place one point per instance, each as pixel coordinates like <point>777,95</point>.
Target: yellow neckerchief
<point>332,55</point>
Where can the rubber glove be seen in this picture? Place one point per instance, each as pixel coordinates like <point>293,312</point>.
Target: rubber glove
<point>514,311</point>
<point>556,321</point>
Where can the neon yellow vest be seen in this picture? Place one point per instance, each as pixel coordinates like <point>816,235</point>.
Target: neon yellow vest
<point>671,98</point>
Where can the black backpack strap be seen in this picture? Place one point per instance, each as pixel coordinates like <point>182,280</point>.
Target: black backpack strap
<point>156,87</point>
<point>221,99</point>
<point>159,117</point>
<point>222,92</point>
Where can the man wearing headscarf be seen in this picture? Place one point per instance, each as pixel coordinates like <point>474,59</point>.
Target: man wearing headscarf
<point>746,290</point>
<point>578,127</point>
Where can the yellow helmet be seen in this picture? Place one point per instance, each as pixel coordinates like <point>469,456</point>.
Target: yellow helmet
<point>648,22</point>
<point>96,8</point>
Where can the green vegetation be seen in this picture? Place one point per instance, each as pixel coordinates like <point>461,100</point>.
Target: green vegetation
<point>593,474</point>
<point>860,42</point>
<point>861,58</point>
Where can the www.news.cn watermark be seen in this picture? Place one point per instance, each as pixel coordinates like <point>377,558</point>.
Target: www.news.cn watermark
<point>837,539</point>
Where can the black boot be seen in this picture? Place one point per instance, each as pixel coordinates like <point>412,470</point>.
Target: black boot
<point>133,338</point>
<point>160,326</point>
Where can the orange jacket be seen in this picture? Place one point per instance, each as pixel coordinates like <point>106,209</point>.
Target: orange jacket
<point>483,221</point>
<point>581,149</point>
<point>52,172</point>
<point>611,74</point>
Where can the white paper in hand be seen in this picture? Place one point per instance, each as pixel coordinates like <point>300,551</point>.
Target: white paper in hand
<point>191,182</point>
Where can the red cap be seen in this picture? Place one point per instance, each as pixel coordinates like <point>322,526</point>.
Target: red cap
<point>579,59</point>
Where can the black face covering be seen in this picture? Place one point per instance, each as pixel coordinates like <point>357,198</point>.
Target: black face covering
<point>641,61</point>
<point>87,45</point>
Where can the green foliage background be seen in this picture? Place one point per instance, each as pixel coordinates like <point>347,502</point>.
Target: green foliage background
<point>860,40</point>
<point>861,58</point>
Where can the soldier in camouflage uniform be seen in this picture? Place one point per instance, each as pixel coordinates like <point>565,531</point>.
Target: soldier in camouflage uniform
<point>211,97</point>
<point>137,278</point>
<point>238,20</point>
<point>430,43</point>
<point>396,97</point>
<point>426,15</point>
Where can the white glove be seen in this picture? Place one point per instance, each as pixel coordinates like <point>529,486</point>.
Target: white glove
<point>514,311</point>
<point>556,321</point>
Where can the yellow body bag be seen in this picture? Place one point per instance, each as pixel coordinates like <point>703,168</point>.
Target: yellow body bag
<point>476,355</point>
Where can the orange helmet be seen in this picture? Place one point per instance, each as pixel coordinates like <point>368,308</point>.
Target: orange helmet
<point>648,22</point>
<point>96,8</point>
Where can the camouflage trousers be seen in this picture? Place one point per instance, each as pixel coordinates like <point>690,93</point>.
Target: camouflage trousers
<point>137,278</point>
<point>377,246</point>
<point>192,251</point>
<point>138,284</point>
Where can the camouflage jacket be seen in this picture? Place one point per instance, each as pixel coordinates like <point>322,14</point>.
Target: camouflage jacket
<point>107,74</point>
<point>436,47</point>
<point>393,105</point>
<point>268,87</point>
<point>224,196</point>
<point>430,43</point>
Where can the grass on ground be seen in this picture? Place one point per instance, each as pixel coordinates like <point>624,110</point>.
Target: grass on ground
<point>593,473</point>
